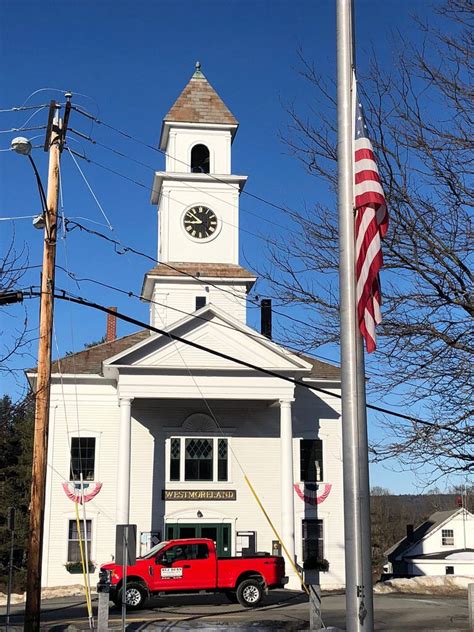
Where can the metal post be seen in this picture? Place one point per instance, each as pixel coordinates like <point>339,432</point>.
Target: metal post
<point>356,609</point>
<point>470,602</point>
<point>124,576</point>
<point>11,526</point>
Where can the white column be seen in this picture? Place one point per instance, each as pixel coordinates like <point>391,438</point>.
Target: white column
<point>287,492</point>
<point>124,454</point>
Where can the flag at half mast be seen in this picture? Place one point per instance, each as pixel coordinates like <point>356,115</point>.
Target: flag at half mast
<point>371,223</point>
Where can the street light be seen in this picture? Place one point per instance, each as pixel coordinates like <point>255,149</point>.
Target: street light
<point>23,146</point>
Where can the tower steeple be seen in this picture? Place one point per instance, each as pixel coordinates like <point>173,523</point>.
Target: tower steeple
<point>198,207</point>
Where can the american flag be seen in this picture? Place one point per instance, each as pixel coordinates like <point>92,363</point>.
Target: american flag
<point>371,223</point>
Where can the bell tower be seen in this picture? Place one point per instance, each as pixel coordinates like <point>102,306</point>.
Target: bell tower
<point>197,197</point>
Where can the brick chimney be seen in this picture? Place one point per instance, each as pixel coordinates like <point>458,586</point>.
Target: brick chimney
<point>111,333</point>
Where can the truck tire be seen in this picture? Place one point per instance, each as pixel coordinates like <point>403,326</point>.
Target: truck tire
<point>250,593</point>
<point>136,597</point>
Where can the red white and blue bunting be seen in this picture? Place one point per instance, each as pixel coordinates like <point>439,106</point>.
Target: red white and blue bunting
<point>75,493</point>
<point>309,492</point>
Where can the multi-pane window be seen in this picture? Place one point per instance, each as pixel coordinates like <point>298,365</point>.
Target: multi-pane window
<point>175,452</point>
<point>447,537</point>
<point>311,460</point>
<point>313,543</point>
<point>82,458</point>
<point>73,545</point>
<point>198,459</point>
<point>222,460</point>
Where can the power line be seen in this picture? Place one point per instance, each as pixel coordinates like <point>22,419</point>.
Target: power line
<point>67,296</point>
<point>21,108</point>
<point>285,210</point>
<point>187,184</point>
<point>171,267</point>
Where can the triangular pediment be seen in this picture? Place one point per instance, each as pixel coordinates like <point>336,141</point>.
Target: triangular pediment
<point>212,329</point>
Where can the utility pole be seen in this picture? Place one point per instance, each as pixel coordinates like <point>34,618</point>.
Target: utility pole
<point>55,135</point>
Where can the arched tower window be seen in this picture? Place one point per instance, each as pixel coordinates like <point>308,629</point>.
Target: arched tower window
<point>199,159</point>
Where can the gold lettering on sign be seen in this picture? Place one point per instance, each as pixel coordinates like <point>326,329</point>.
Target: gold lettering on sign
<point>199,494</point>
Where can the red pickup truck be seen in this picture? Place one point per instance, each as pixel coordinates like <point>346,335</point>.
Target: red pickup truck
<point>189,566</point>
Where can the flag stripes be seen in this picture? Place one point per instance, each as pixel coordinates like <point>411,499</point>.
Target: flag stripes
<point>371,223</point>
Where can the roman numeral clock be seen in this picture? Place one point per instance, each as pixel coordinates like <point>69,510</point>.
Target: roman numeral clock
<point>200,222</point>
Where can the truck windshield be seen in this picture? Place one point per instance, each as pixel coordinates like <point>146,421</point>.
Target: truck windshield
<point>156,549</point>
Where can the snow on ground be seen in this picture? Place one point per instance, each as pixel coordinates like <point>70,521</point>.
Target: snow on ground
<point>48,593</point>
<point>432,585</point>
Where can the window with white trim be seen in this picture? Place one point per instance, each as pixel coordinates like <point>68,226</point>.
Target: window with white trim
<point>447,537</point>
<point>82,458</point>
<point>311,460</point>
<point>74,537</point>
<point>198,459</point>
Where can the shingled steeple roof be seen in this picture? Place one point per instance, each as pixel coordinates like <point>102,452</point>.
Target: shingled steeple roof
<point>200,103</point>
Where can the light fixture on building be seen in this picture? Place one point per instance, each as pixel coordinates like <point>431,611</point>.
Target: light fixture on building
<point>199,514</point>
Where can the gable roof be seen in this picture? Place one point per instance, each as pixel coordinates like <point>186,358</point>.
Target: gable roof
<point>90,361</point>
<point>425,528</point>
<point>204,328</point>
<point>200,103</point>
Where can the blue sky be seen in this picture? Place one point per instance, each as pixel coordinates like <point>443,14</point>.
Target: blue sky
<point>129,61</point>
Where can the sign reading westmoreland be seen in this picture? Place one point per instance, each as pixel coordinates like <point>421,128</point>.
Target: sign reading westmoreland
<point>199,494</point>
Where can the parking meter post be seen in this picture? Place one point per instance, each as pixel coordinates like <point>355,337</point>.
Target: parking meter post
<point>311,579</point>
<point>103,591</point>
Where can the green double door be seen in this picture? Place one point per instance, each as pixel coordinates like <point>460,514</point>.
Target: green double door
<point>219,533</point>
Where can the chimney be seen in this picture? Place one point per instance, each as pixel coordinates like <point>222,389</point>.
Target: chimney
<point>410,532</point>
<point>266,317</point>
<point>111,333</point>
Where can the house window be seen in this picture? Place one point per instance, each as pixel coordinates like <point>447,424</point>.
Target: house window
<point>200,302</point>
<point>311,460</point>
<point>447,537</point>
<point>201,459</point>
<point>73,546</point>
<point>449,570</point>
<point>175,453</point>
<point>82,458</point>
<point>200,159</point>
<point>313,543</point>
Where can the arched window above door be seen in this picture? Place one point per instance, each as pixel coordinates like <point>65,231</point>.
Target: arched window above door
<point>200,162</point>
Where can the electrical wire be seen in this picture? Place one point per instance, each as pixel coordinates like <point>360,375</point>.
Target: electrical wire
<point>254,303</point>
<point>286,210</point>
<point>21,108</point>
<point>64,295</point>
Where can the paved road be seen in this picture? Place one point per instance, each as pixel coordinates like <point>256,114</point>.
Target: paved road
<point>283,610</point>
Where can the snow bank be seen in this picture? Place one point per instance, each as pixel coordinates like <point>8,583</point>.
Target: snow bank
<point>54,592</point>
<point>426,585</point>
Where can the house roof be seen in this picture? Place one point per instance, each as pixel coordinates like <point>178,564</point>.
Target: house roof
<point>200,103</point>
<point>426,527</point>
<point>441,555</point>
<point>89,361</point>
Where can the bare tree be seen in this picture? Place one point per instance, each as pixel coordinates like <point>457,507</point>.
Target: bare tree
<point>15,341</point>
<point>420,117</point>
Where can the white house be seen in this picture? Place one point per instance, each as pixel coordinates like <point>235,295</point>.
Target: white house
<point>166,434</point>
<point>442,545</point>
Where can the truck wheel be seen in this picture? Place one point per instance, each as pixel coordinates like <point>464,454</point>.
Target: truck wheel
<point>231,596</point>
<point>250,593</point>
<point>136,596</point>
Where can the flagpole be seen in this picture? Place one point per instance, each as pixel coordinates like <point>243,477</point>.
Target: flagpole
<point>357,614</point>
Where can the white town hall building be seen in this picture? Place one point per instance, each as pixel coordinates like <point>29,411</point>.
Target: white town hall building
<point>165,434</point>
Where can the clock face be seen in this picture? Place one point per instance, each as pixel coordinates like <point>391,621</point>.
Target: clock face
<point>200,222</point>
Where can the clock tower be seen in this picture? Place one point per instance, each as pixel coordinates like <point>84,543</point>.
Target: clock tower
<point>197,197</point>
